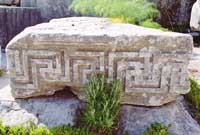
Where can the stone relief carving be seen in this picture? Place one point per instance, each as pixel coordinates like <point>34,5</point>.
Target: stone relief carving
<point>149,75</point>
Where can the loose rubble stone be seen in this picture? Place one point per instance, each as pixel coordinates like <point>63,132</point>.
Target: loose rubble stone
<point>151,64</point>
<point>195,16</point>
<point>135,120</point>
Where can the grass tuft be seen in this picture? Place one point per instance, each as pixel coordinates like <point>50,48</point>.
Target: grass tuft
<point>194,95</point>
<point>33,130</point>
<point>149,23</point>
<point>103,105</point>
<point>193,98</point>
<point>157,129</point>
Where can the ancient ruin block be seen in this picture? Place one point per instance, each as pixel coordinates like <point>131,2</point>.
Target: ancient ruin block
<point>151,64</point>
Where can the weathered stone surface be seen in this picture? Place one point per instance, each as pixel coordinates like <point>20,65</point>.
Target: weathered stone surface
<point>66,52</point>
<point>9,2</point>
<point>50,8</point>
<point>135,120</point>
<point>195,16</point>
<point>14,19</point>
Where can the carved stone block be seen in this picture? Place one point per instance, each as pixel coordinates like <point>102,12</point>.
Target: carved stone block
<point>151,64</point>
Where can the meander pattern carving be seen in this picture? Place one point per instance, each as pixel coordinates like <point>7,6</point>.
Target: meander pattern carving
<point>143,71</point>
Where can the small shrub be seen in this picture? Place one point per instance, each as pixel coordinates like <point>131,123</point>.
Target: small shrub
<point>194,95</point>
<point>103,105</point>
<point>193,98</point>
<point>157,129</point>
<point>40,131</point>
<point>2,129</point>
<point>33,130</point>
<point>132,11</point>
<point>67,130</point>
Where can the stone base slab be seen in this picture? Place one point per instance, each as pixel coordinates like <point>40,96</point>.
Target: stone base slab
<point>62,108</point>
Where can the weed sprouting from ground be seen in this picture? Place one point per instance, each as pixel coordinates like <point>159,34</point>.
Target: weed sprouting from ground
<point>157,129</point>
<point>193,98</point>
<point>103,105</point>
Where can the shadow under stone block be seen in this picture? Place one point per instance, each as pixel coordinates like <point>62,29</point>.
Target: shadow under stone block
<point>13,20</point>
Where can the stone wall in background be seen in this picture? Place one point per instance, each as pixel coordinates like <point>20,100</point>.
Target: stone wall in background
<point>15,15</point>
<point>50,8</point>
<point>14,19</point>
<point>175,14</point>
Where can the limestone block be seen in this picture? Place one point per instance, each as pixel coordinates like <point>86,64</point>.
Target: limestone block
<point>9,2</point>
<point>151,64</point>
<point>195,16</point>
<point>50,8</point>
<point>14,19</point>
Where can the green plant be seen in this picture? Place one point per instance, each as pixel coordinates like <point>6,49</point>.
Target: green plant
<point>33,130</point>
<point>2,129</point>
<point>131,11</point>
<point>193,98</point>
<point>157,129</point>
<point>67,130</point>
<point>40,131</point>
<point>194,95</point>
<point>103,105</point>
<point>149,23</point>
